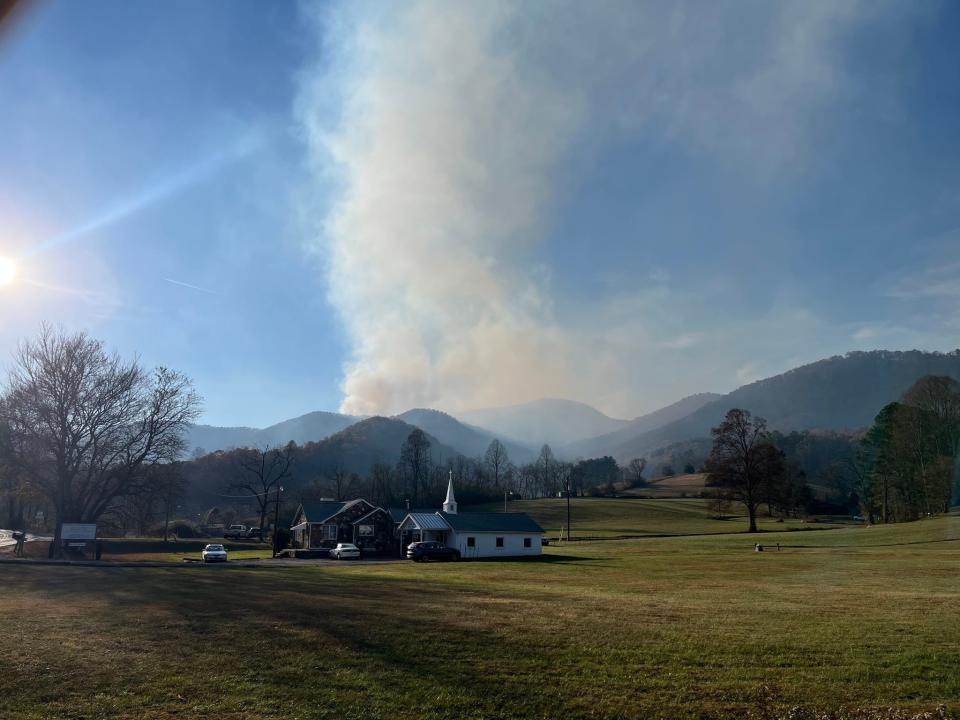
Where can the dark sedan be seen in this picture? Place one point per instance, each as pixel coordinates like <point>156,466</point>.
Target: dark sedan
<point>425,551</point>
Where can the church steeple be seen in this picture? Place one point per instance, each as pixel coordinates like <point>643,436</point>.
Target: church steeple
<point>450,504</point>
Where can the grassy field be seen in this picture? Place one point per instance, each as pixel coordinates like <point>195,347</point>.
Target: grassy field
<point>153,549</point>
<point>606,517</point>
<point>673,486</point>
<point>658,627</point>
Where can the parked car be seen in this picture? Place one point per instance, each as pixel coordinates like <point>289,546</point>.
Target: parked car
<point>236,531</point>
<point>424,551</point>
<point>344,551</point>
<point>214,553</point>
<point>255,533</point>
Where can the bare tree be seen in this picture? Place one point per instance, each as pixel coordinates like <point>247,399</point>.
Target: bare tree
<point>82,424</point>
<point>634,472</point>
<point>496,461</point>
<point>170,485</point>
<point>547,472</point>
<point>743,462</point>
<point>415,462</point>
<point>381,483</point>
<point>341,481</point>
<point>261,472</point>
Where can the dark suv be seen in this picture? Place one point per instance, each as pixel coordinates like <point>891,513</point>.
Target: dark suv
<point>424,551</point>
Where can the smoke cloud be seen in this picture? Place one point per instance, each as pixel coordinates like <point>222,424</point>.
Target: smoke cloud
<point>445,132</point>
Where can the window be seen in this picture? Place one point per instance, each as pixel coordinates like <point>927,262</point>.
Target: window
<point>471,542</point>
<point>526,542</point>
<point>330,531</point>
<point>365,530</point>
<point>499,542</point>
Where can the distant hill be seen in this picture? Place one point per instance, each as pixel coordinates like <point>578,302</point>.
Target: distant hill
<point>554,421</point>
<point>306,428</point>
<point>210,438</point>
<point>839,393</point>
<point>352,450</point>
<point>609,443</point>
<point>356,448</point>
<point>466,439</point>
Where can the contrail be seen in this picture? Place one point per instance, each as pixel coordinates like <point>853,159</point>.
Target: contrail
<point>192,287</point>
<point>160,191</point>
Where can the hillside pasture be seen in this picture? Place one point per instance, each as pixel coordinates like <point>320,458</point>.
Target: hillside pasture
<point>639,517</point>
<point>674,486</point>
<point>687,627</point>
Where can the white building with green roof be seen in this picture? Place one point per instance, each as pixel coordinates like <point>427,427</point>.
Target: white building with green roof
<point>475,534</point>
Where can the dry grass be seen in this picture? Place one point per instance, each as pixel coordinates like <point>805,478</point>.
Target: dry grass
<point>673,627</point>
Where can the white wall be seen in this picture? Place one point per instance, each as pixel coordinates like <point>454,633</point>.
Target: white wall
<point>487,544</point>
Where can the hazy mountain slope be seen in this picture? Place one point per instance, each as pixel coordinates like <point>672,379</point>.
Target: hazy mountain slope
<point>212,437</point>
<point>554,421</point>
<point>606,444</point>
<point>376,439</point>
<point>352,450</point>
<point>468,440</point>
<point>306,428</point>
<point>838,393</point>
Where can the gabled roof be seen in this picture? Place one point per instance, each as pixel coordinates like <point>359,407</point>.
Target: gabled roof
<point>398,514</point>
<point>513,522</point>
<point>426,521</point>
<point>318,511</point>
<point>372,512</point>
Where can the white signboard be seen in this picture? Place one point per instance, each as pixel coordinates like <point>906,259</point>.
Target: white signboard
<point>78,531</point>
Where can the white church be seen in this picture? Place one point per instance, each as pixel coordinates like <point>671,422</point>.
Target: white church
<point>474,534</point>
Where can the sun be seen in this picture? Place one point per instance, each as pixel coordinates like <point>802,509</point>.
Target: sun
<point>8,271</point>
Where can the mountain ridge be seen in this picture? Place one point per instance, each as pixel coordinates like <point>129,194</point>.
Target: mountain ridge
<point>842,392</point>
<point>553,421</point>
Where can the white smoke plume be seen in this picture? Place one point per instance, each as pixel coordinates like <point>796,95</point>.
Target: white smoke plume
<point>445,132</point>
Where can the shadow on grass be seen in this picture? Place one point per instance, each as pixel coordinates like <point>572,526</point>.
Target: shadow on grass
<point>549,559</point>
<point>404,644</point>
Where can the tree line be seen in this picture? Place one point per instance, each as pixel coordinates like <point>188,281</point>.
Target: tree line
<point>902,468</point>
<point>86,436</point>
<point>416,479</point>
<point>905,467</point>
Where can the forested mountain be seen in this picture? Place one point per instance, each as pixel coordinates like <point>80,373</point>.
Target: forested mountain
<point>318,465</point>
<point>466,439</point>
<point>839,393</point>
<point>210,438</point>
<point>554,421</point>
<point>608,443</point>
<point>358,447</point>
<point>311,427</point>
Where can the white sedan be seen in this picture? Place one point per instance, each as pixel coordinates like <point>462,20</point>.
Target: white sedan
<point>345,550</point>
<point>214,553</point>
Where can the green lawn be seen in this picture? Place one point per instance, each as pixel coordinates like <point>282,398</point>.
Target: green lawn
<point>137,549</point>
<point>657,627</point>
<point>605,517</point>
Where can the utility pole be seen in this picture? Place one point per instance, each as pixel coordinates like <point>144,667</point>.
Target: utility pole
<point>568,507</point>
<point>276,522</point>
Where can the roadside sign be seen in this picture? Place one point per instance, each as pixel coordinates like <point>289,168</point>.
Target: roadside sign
<point>78,531</point>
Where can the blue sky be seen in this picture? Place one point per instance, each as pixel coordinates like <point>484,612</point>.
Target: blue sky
<point>377,206</point>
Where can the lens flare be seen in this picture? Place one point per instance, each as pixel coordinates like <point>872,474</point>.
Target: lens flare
<point>8,271</point>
